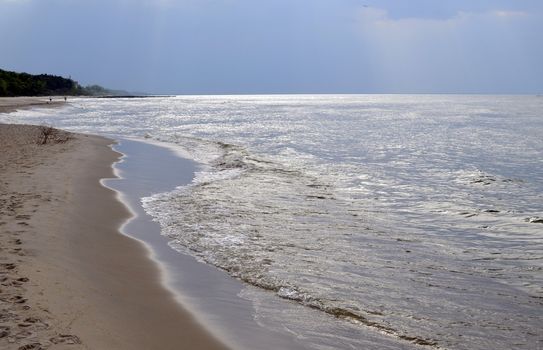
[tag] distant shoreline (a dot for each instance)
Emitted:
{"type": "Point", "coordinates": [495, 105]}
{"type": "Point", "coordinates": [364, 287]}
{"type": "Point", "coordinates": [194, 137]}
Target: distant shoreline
{"type": "Point", "coordinates": [12, 104]}
{"type": "Point", "coordinates": [132, 96]}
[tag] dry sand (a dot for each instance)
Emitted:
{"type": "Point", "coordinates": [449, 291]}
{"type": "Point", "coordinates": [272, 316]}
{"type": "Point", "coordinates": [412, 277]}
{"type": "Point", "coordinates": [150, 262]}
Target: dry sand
{"type": "Point", "coordinates": [68, 278]}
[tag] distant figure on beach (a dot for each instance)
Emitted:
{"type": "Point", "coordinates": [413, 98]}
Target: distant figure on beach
{"type": "Point", "coordinates": [64, 98]}
{"type": "Point", "coordinates": [50, 99]}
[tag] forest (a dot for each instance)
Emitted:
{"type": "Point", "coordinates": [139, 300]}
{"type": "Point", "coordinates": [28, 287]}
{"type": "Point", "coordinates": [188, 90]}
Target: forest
{"type": "Point", "coordinates": [24, 84]}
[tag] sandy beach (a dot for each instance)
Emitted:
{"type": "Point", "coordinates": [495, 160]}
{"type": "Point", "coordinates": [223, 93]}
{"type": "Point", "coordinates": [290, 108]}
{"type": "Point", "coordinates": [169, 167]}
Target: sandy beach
{"type": "Point", "coordinates": [10, 104]}
{"type": "Point", "coordinates": [69, 279]}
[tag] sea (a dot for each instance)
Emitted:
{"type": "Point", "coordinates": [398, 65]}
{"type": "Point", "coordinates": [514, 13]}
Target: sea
{"type": "Point", "coordinates": [418, 218]}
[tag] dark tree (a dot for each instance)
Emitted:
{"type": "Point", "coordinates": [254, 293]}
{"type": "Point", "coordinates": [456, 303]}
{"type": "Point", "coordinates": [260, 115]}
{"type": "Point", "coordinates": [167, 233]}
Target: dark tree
{"type": "Point", "coordinates": [24, 84]}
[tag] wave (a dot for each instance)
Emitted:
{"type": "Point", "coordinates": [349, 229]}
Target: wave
{"type": "Point", "coordinates": [263, 223]}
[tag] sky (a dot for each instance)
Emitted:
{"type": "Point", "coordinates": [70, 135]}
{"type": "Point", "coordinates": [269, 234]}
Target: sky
{"type": "Point", "coordinates": [280, 46]}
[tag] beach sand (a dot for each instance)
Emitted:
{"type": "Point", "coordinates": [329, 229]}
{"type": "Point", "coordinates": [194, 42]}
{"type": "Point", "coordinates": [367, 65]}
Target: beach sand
{"type": "Point", "coordinates": [11, 104]}
{"type": "Point", "coordinates": [68, 278]}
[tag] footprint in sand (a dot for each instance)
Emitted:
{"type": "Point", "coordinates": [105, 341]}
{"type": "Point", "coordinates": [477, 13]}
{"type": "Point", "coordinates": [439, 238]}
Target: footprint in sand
{"type": "Point", "coordinates": [19, 281]}
{"type": "Point", "coordinates": [65, 339]}
{"type": "Point", "coordinates": [33, 346]}
{"type": "Point", "coordinates": [4, 331]}
{"type": "Point", "coordinates": [7, 283]}
{"type": "Point", "coordinates": [18, 299]}
{"type": "Point", "coordinates": [8, 266]}
{"type": "Point", "coordinates": [17, 251]}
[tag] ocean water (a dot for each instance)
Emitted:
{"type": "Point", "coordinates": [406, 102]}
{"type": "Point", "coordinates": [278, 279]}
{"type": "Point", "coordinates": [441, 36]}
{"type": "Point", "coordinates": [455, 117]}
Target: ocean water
{"type": "Point", "coordinates": [417, 218]}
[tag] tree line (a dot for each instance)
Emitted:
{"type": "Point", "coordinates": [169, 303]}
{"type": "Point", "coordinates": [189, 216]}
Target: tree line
{"type": "Point", "coordinates": [24, 84]}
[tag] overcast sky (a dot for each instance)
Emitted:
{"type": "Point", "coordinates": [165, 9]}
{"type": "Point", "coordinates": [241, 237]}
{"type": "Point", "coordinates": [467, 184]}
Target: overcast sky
{"type": "Point", "coordinates": [280, 46]}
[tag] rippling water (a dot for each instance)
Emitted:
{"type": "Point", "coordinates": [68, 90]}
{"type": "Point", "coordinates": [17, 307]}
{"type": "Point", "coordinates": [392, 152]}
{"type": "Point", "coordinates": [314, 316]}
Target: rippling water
{"type": "Point", "coordinates": [420, 217]}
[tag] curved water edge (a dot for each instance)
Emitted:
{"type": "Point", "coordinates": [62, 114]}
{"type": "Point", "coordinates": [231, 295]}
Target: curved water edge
{"type": "Point", "coordinates": [210, 296]}
{"type": "Point", "coordinates": [419, 215]}
{"type": "Point", "coordinates": [136, 180]}
{"type": "Point", "coordinates": [138, 226]}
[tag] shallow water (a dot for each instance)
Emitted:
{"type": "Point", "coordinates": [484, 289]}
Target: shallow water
{"type": "Point", "coordinates": [209, 294]}
{"type": "Point", "coordinates": [418, 217]}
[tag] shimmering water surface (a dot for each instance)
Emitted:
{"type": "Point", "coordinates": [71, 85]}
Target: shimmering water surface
{"type": "Point", "coordinates": [419, 217]}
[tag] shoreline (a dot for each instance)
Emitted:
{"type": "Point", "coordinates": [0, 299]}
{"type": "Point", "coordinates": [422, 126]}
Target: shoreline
{"type": "Point", "coordinates": [69, 277]}
{"type": "Point", "coordinates": [12, 104]}
{"type": "Point", "coordinates": [213, 296]}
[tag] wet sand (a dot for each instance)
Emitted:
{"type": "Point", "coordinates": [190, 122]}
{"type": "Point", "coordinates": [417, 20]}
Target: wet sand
{"type": "Point", "coordinates": [206, 291]}
{"type": "Point", "coordinates": [69, 279]}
